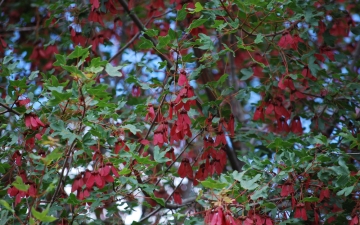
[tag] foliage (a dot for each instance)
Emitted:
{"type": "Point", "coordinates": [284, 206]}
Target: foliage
{"type": "Point", "coordinates": [180, 112]}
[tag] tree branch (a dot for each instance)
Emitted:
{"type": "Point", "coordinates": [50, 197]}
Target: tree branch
{"type": "Point", "coordinates": [173, 206]}
{"type": "Point", "coordinates": [9, 109]}
{"type": "Point", "coordinates": [141, 27]}
{"type": "Point", "coordinates": [125, 47]}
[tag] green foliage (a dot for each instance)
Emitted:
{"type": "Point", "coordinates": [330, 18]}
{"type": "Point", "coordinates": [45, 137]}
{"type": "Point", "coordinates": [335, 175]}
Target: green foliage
{"type": "Point", "coordinates": [185, 112]}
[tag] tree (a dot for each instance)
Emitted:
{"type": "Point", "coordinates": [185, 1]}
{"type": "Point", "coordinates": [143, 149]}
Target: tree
{"type": "Point", "coordinates": [180, 112]}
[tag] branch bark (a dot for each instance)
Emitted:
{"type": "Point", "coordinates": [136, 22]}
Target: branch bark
{"type": "Point", "coordinates": [9, 109]}
{"type": "Point", "coordinates": [141, 27]}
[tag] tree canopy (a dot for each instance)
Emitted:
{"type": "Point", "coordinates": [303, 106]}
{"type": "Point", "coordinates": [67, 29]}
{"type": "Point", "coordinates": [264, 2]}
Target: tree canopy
{"type": "Point", "coordinates": [221, 112]}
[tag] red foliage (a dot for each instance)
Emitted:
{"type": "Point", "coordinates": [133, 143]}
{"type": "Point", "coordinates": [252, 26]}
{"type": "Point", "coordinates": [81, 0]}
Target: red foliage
{"type": "Point", "coordinates": [300, 211]}
{"type": "Point", "coordinates": [96, 16]}
{"type": "Point", "coordinates": [286, 82]}
{"type": "Point", "coordinates": [3, 44]}
{"type": "Point", "coordinates": [287, 189]}
{"type": "Point", "coordinates": [120, 144]}
{"type": "Point", "coordinates": [286, 40]}
{"type": "Point", "coordinates": [136, 92]}
{"type": "Point", "coordinates": [33, 122]}
{"type": "Point", "coordinates": [17, 158]}
{"type": "Point", "coordinates": [296, 126]}
{"type": "Point", "coordinates": [182, 78]}
{"type": "Point", "coordinates": [177, 197]}
{"type": "Point", "coordinates": [170, 155]}
{"type": "Point", "coordinates": [185, 169]}
{"type": "Point", "coordinates": [186, 92]}
{"type": "Point", "coordinates": [94, 4]}
{"type": "Point", "coordinates": [151, 113]}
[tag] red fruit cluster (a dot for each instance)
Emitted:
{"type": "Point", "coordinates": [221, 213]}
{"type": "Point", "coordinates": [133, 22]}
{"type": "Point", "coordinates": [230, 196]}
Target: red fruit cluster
{"type": "Point", "coordinates": [215, 161]}
{"type": "Point", "coordinates": [257, 218]}
{"type": "Point", "coordinates": [185, 169]}
{"type": "Point", "coordinates": [85, 181]}
{"type": "Point", "coordinates": [18, 194]}
{"type": "Point", "coordinates": [33, 122]}
{"type": "Point", "coordinates": [289, 42]}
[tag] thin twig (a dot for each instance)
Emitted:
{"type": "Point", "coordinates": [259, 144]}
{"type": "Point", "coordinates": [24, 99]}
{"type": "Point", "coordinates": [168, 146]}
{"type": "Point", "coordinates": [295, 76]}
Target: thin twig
{"type": "Point", "coordinates": [10, 109]}
{"type": "Point", "coordinates": [172, 206]}
{"type": "Point", "coordinates": [187, 145]}
{"type": "Point", "coordinates": [68, 153]}
{"type": "Point", "coordinates": [141, 27]}
{"type": "Point", "coordinates": [125, 47]}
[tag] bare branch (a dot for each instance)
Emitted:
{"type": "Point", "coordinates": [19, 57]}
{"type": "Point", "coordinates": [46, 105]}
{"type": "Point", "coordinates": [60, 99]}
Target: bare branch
{"type": "Point", "coordinates": [9, 109]}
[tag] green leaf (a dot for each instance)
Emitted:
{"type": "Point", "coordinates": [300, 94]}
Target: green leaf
{"type": "Point", "coordinates": [96, 62]}
{"type": "Point", "coordinates": [248, 72]}
{"type": "Point", "coordinates": [124, 171]}
{"type": "Point", "coordinates": [73, 70]}
{"type": "Point", "coordinates": [33, 75]}
{"type": "Point", "coordinates": [160, 201]}
{"type": "Point", "coordinates": [21, 83]}
{"type": "Point", "coordinates": [313, 66]}
{"type": "Point", "coordinates": [213, 184]}
{"type": "Point", "coordinates": [72, 200]}
{"type": "Point", "coordinates": [7, 59]}
{"type": "Point", "coordinates": [228, 49]}
{"type": "Point", "coordinates": [260, 193]}
{"type": "Point", "coordinates": [54, 155]}
{"type": "Point", "coordinates": [195, 73]}
{"type": "Point", "coordinates": [58, 98]}
{"type": "Point", "coordinates": [42, 215]}
{"type": "Point", "coordinates": [144, 160]}
{"type": "Point", "coordinates": [113, 71]}
{"type": "Point", "coordinates": [181, 15]}
{"type": "Point", "coordinates": [4, 167]}
{"type": "Point", "coordinates": [132, 128]}
{"type": "Point", "coordinates": [206, 42]}
{"type": "Point", "coordinates": [198, 7]}
{"type": "Point", "coordinates": [346, 191]}
{"type": "Point", "coordinates": [19, 184]}
{"type": "Point", "coordinates": [163, 41]}
{"type": "Point", "coordinates": [258, 39]}
{"type": "Point", "coordinates": [78, 52]}
{"type": "Point", "coordinates": [145, 43]}
{"type": "Point", "coordinates": [269, 205]}
{"type": "Point", "coordinates": [151, 32]}
{"type": "Point", "coordinates": [6, 205]}
{"type": "Point", "coordinates": [60, 60]}
{"type": "Point", "coordinates": [159, 156]}
{"type": "Point", "coordinates": [248, 184]}
{"type": "Point", "coordinates": [196, 23]}
{"type": "Point", "coordinates": [310, 199]}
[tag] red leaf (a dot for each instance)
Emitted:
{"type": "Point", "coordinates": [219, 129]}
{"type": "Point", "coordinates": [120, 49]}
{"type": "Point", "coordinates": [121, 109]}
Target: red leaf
{"type": "Point", "coordinates": [170, 155]}
{"type": "Point", "coordinates": [90, 182]}
{"type": "Point", "coordinates": [177, 197]}
{"type": "Point", "coordinates": [28, 120]}
{"type": "Point", "coordinates": [151, 113]}
{"type": "Point", "coordinates": [185, 169]}
{"type": "Point", "coordinates": [182, 78]}
{"type": "Point", "coordinates": [145, 142]}
{"type": "Point", "coordinates": [98, 180]}
{"type": "Point", "coordinates": [95, 4]}
{"type": "Point", "coordinates": [220, 138]}
{"type": "Point", "coordinates": [108, 179]}
{"type": "Point", "coordinates": [259, 114]}
{"type": "Point", "coordinates": [12, 191]}
{"type": "Point", "coordinates": [34, 124]}
{"type": "Point", "coordinates": [231, 125]}
{"type": "Point", "coordinates": [286, 40]}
